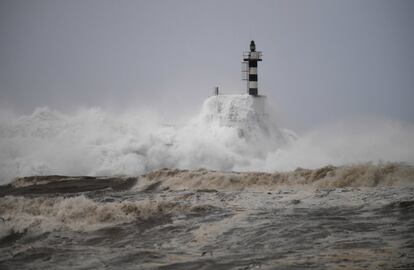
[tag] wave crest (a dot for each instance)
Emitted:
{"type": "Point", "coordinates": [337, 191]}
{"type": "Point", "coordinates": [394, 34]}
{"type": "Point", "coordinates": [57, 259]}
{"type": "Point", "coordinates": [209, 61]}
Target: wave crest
{"type": "Point", "coordinates": [359, 175]}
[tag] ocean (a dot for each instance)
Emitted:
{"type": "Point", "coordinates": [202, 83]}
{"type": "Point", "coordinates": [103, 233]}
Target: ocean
{"type": "Point", "coordinates": [348, 217]}
{"type": "Point", "coordinates": [228, 189]}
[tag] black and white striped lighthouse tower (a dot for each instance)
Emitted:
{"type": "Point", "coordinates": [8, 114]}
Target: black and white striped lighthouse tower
{"type": "Point", "coordinates": [250, 62]}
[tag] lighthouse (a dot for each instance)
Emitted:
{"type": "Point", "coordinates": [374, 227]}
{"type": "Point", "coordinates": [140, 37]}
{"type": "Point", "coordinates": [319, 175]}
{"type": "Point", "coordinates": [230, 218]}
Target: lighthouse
{"type": "Point", "coordinates": [250, 60]}
{"type": "Point", "coordinates": [245, 112]}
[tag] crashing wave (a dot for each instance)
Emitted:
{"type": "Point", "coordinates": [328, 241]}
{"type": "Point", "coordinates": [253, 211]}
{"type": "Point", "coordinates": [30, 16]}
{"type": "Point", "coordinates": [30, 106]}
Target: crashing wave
{"type": "Point", "coordinates": [232, 132]}
{"type": "Point", "coordinates": [45, 214]}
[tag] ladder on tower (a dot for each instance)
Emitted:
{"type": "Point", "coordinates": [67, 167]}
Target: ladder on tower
{"type": "Point", "coordinates": [245, 71]}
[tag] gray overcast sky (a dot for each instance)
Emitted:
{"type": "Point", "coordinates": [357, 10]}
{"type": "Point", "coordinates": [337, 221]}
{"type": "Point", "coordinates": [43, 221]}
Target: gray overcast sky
{"type": "Point", "coordinates": [323, 60]}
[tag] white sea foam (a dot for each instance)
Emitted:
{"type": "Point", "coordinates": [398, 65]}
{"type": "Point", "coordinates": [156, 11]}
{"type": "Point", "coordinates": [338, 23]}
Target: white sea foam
{"type": "Point", "coordinates": [79, 213]}
{"type": "Point", "coordinates": [230, 133]}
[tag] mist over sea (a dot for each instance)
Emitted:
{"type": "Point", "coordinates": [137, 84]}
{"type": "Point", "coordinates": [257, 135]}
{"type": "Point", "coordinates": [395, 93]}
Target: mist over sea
{"type": "Point", "coordinates": [95, 142]}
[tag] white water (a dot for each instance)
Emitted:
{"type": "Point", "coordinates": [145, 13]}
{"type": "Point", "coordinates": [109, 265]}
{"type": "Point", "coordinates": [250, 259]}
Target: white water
{"type": "Point", "coordinates": [230, 133]}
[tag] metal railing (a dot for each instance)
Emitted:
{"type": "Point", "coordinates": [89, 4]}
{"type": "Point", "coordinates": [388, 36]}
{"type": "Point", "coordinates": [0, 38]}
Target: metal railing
{"type": "Point", "coordinates": [252, 55]}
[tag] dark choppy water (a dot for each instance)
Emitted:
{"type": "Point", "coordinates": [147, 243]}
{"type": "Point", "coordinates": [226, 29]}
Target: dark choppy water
{"type": "Point", "coordinates": [119, 224]}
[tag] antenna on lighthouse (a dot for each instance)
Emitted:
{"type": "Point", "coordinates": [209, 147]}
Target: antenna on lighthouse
{"type": "Point", "coordinates": [249, 69]}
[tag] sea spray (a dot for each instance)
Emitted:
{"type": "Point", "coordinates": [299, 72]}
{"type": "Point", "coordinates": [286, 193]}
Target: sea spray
{"type": "Point", "coordinates": [231, 132]}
